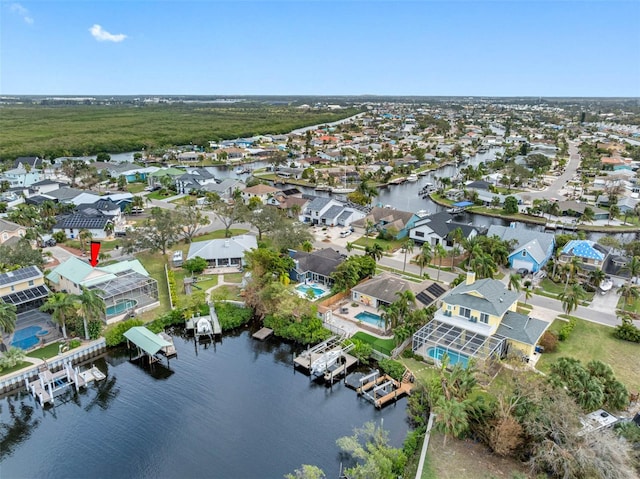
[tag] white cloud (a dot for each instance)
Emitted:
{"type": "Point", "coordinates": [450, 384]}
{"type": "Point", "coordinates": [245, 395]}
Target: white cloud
{"type": "Point", "coordinates": [104, 36]}
{"type": "Point", "coordinates": [23, 12]}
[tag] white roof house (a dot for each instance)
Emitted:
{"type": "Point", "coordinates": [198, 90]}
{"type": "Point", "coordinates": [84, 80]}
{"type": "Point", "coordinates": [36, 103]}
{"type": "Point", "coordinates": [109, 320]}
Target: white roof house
{"type": "Point", "coordinates": [223, 252]}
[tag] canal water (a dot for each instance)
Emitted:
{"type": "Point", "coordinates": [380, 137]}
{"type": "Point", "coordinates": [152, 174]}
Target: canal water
{"type": "Point", "coordinates": [236, 410]}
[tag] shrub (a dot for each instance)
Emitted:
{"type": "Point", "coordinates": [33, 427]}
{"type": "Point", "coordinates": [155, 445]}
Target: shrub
{"type": "Point", "coordinates": [95, 328]}
{"type": "Point", "coordinates": [412, 442]}
{"type": "Point", "coordinates": [392, 368]}
{"type": "Point", "coordinates": [59, 236]}
{"type": "Point", "coordinates": [566, 329]}
{"type": "Point", "coordinates": [10, 358]}
{"type": "Point", "coordinates": [627, 332]}
{"type": "Point", "coordinates": [362, 350]}
{"type": "Point", "coordinates": [408, 353]}
{"type": "Point", "coordinates": [173, 291]}
{"type": "Point", "coordinates": [549, 341]}
{"type": "Point", "coordinates": [305, 330]}
{"type": "Point", "coordinates": [74, 343]}
{"type": "Point", "coordinates": [231, 316]}
{"type": "Point", "coordinates": [115, 335]}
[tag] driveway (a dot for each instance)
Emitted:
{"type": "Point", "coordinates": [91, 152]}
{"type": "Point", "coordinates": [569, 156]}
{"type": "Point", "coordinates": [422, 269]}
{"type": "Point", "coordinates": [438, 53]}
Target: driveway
{"type": "Point", "coordinates": [554, 190]}
{"type": "Point", "coordinates": [59, 253]}
{"type": "Point", "coordinates": [605, 303]}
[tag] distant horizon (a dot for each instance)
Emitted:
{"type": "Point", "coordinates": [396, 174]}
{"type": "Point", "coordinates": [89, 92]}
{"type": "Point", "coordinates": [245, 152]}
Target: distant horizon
{"type": "Point", "coordinates": [473, 48]}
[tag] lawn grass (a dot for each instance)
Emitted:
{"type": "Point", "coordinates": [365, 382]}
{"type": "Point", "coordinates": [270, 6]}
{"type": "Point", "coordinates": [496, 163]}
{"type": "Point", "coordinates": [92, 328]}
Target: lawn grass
{"type": "Point", "coordinates": [590, 341]}
{"type": "Point", "coordinates": [385, 346]}
{"type": "Point", "coordinates": [161, 194]}
{"type": "Point", "coordinates": [226, 292]}
{"type": "Point", "coordinates": [233, 277]}
{"type": "Point", "coordinates": [422, 371]}
{"type": "Point", "coordinates": [633, 307]}
{"type": "Point", "coordinates": [136, 187]}
{"type": "Point", "coordinates": [105, 245]}
{"type": "Point", "coordinates": [388, 246]}
{"type": "Point", "coordinates": [49, 351]}
{"type": "Point", "coordinates": [219, 234]}
{"type": "Point", "coordinates": [154, 264]}
{"type": "Point", "coordinates": [20, 365]}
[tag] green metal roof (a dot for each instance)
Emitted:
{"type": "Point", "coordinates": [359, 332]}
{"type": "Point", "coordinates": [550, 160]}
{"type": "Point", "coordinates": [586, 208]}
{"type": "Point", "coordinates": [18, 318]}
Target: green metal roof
{"type": "Point", "coordinates": [167, 171]}
{"type": "Point", "coordinates": [77, 270]}
{"type": "Point", "coordinates": [147, 341]}
{"type": "Point", "coordinates": [74, 269]}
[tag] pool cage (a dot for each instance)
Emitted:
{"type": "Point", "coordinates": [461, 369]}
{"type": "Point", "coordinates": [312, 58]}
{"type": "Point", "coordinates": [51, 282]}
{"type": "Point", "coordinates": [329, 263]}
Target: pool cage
{"type": "Point", "coordinates": [468, 343]}
{"type": "Point", "coordinates": [126, 293]}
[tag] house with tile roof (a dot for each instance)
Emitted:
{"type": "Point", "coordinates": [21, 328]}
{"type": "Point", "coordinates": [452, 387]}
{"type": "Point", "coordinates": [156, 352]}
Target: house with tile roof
{"type": "Point", "coordinates": [388, 220]}
{"type": "Point", "coordinates": [125, 287]}
{"type": "Point", "coordinates": [531, 249]}
{"type": "Point", "coordinates": [11, 233]}
{"type": "Point", "coordinates": [478, 320]}
{"type": "Point", "coordinates": [223, 253]}
{"type": "Point", "coordinates": [316, 266]}
{"type": "Point", "coordinates": [437, 228]}
{"type": "Point", "coordinates": [260, 191]}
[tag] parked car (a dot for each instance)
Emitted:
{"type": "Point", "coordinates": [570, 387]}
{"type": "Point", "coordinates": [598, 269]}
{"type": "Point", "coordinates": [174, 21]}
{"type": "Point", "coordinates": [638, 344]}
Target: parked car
{"type": "Point", "coordinates": [345, 233]}
{"type": "Point", "coordinates": [522, 272]}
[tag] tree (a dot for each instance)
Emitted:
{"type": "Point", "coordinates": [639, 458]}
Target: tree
{"type": "Point", "coordinates": [572, 298]}
{"type": "Point", "coordinates": [265, 219]}
{"type": "Point", "coordinates": [632, 267]}
{"type": "Point", "coordinates": [629, 293]}
{"type": "Point", "coordinates": [62, 307]}
{"type": "Point", "coordinates": [571, 269]}
{"type": "Point", "coordinates": [7, 318]}
{"type": "Point", "coordinates": [588, 215]}
{"type": "Point", "coordinates": [122, 182]}
{"type": "Point", "coordinates": [451, 417]}
{"type": "Point", "coordinates": [369, 446]}
{"type": "Point", "coordinates": [191, 220]}
{"type": "Point", "coordinates": [375, 251]}
{"type": "Point", "coordinates": [440, 252]}
{"type": "Point", "coordinates": [614, 210]}
{"type": "Point", "coordinates": [306, 472]}
{"type": "Point", "coordinates": [307, 246]}
{"type": "Point", "coordinates": [195, 265]}
{"type": "Point", "coordinates": [72, 169]}
{"type": "Point", "coordinates": [289, 234]}
{"type": "Point", "coordinates": [408, 248]}
{"type": "Point", "coordinates": [514, 282]}
{"type": "Point", "coordinates": [228, 213]}
{"type": "Point", "coordinates": [510, 205]}
{"type": "Point", "coordinates": [91, 307]}
{"type": "Point", "coordinates": [596, 277]}
{"type": "Point", "coordinates": [484, 266]}
{"type": "Point", "coordinates": [423, 258]}
{"type": "Point", "coordinates": [103, 157]}
{"type": "Point", "coordinates": [161, 229]}
{"type": "Point", "coordinates": [85, 236]}
{"type": "Point", "coordinates": [19, 254]}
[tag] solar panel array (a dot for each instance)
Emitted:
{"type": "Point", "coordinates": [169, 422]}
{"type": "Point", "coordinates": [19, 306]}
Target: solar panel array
{"type": "Point", "coordinates": [26, 296]}
{"type": "Point", "coordinates": [18, 275]}
{"type": "Point", "coordinates": [82, 222]}
{"type": "Point", "coordinates": [430, 294]}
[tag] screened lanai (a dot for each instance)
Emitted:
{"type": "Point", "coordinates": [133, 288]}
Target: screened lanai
{"type": "Point", "coordinates": [437, 337]}
{"type": "Point", "coordinates": [126, 293]}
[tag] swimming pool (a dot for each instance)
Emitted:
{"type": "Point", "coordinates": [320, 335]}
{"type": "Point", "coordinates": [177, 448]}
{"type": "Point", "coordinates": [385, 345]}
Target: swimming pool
{"type": "Point", "coordinates": [454, 357]}
{"type": "Point", "coordinates": [121, 306]}
{"type": "Point", "coordinates": [317, 289]}
{"type": "Point", "coordinates": [26, 338]}
{"type": "Point", "coordinates": [373, 319]}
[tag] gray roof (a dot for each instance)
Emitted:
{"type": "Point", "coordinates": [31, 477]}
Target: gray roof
{"type": "Point", "coordinates": [324, 261]}
{"type": "Point", "coordinates": [522, 328]}
{"type": "Point", "coordinates": [345, 215]}
{"type": "Point", "coordinates": [222, 248]}
{"type": "Point", "coordinates": [82, 221]}
{"type": "Point", "coordinates": [318, 203]}
{"type": "Point", "coordinates": [494, 297]}
{"type": "Point", "coordinates": [9, 226]}
{"type": "Point", "coordinates": [523, 237]}
{"type": "Point", "coordinates": [332, 212]}
{"type": "Point", "coordinates": [438, 223]}
{"type": "Point", "coordinates": [383, 287]}
{"type": "Point", "coordinates": [20, 275]}
{"type": "Point", "coordinates": [62, 194]}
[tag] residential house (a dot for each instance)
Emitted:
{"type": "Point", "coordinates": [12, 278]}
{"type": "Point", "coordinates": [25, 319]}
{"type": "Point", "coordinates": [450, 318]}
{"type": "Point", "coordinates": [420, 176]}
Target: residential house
{"type": "Point", "coordinates": [531, 249]}
{"type": "Point", "coordinates": [32, 161]}
{"type": "Point", "coordinates": [223, 253]}
{"type": "Point", "coordinates": [24, 288]}
{"type": "Point", "coordinates": [591, 254]}
{"type": "Point", "coordinates": [316, 266]}
{"type": "Point", "coordinates": [381, 290]}
{"type": "Point", "coordinates": [330, 212]}
{"type": "Point", "coordinates": [155, 179]}
{"type": "Point", "coordinates": [43, 187]}
{"type": "Point", "coordinates": [11, 233]}
{"type": "Point", "coordinates": [91, 220]}
{"type": "Point", "coordinates": [437, 228]}
{"type": "Point", "coordinates": [194, 180]}
{"type": "Point", "coordinates": [576, 209]}
{"type": "Point", "coordinates": [225, 189]}
{"type": "Point", "coordinates": [21, 176]}
{"type": "Point", "coordinates": [260, 191]}
{"type": "Point", "coordinates": [125, 287]}
{"type": "Point", "coordinates": [478, 320]}
{"type": "Point", "coordinates": [388, 221]}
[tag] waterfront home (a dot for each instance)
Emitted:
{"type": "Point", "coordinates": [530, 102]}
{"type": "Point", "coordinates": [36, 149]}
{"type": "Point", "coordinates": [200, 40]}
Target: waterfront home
{"type": "Point", "coordinates": [260, 191]}
{"type": "Point", "coordinates": [72, 224]}
{"type": "Point", "coordinates": [576, 210]}
{"type": "Point", "coordinates": [223, 253]}
{"type": "Point", "coordinates": [125, 287]}
{"type": "Point", "coordinates": [20, 176]}
{"type": "Point", "coordinates": [591, 254]}
{"type": "Point", "coordinates": [194, 180]}
{"type": "Point", "coordinates": [155, 179]}
{"type": "Point", "coordinates": [330, 212]}
{"type": "Point", "coordinates": [30, 161]}
{"type": "Point", "coordinates": [478, 320]}
{"type": "Point", "coordinates": [11, 233]}
{"type": "Point", "coordinates": [316, 266]}
{"type": "Point", "coordinates": [225, 189]}
{"type": "Point", "coordinates": [43, 187]}
{"type": "Point", "coordinates": [388, 221]}
{"type": "Point", "coordinates": [437, 228]}
{"type": "Point", "coordinates": [381, 290]}
{"type": "Point", "coordinates": [24, 288]}
{"type": "Point", "coordinates": [531, 249]}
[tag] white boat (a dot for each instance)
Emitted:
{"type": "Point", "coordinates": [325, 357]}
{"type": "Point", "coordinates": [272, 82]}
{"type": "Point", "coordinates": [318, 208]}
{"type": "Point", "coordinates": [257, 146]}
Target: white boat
{"type": "Point", "coordinates": [203, 326]}
{"type": "Point", "coordinates": [325, 361]}
{"type": "Point", "coordinates": [412, 178]}
{"type": "Point", "coordinates": [341, 190]}
{"type": "Point", "coordinates": [422, 213]}
{"type": "Point", "coordinates": [606, 285]}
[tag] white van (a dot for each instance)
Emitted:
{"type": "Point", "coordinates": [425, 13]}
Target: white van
{"type": "Point", "coordinates": [345, 233]}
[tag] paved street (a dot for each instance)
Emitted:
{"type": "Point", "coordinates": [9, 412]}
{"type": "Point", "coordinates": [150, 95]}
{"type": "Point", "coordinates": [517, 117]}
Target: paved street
{"type": "Point", "coordinates": [554, 190]}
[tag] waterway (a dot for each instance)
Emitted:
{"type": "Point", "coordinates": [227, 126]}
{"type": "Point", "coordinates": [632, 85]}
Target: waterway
{"type": "Point", "coordinates": [234, 410]}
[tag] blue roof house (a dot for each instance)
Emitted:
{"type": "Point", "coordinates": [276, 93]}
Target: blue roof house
{"type": "Point", "coordinates": [590, 253]}
{"type": "Point", "coordinates": [532, 249]}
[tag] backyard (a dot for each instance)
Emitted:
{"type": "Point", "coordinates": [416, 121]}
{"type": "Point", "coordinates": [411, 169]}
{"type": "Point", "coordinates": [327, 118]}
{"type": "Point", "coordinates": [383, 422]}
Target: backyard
{"type": "Point", "coordinates": [590, 341]}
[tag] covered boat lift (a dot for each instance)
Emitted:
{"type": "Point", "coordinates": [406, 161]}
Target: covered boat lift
{"type": "Point", "coordinates": [149, 344]}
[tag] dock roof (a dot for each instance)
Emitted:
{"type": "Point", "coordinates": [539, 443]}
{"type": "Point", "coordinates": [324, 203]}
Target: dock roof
{"type": "Point", "coordinates": [147, 341]}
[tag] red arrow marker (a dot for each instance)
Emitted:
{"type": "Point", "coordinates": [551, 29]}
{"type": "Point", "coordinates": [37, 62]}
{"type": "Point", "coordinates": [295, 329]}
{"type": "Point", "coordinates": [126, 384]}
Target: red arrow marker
{"type": "Point", "coordinates": [95, 251]}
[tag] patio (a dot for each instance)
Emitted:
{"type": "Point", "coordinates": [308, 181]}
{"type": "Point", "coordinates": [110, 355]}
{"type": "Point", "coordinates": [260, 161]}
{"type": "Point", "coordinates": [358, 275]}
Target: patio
{"type": "Point", "coordinates": [347, 312]}
{"type": "Point", "coordinates": [38, 319]}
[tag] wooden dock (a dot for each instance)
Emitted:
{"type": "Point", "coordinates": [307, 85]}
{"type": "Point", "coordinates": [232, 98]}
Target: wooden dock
{"type": "Point", "coordinates": [263, 334]}
{"type": "Point", "coordinates": [328, 359]}
{"type": "Point", "coordinates": [168, 351]}
{"type": "Point", "coordinates": [400, 390]}
{"type": "Point", "coordinates": [381, 389]}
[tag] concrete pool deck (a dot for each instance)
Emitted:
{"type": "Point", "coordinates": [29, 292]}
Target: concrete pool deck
{"type": "Point", "coordinates": [347, 321]}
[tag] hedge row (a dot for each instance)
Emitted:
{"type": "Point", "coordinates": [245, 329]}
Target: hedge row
{"type": "Point", "coordinates": [173, 290]}
{"type": "Point", "coordinates": [566, 329]}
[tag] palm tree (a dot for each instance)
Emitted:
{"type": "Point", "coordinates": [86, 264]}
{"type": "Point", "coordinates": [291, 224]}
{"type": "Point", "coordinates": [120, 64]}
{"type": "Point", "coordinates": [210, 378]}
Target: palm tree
{"type": "Point", "coordinates": [596, 277]}
{"type": "Point", "coordinates": [375, 251]}
{"type": "Point", "coordinates": [451, 417]}
{"type": "Point", "coordinates": [514, 282]}
{"type": "Point", "coordinates": [62, 307]}
{"type": "Point", "coordinates": [7, 318]}
{"type": "Point", "coordinates": [571, 299]}
{"type": "Point", "coordinates": [349, 247]}
{"type": "Point", "coordinates": [390, 316]}
{"type": "Point", "coordinates": [554, 209]}
{"type": "Point", "coordinates": [367, 190]}
{"type": "Point", "coordinates": [108, 228]}
{"type": "Point", "coordinates": [408, 248]}
{"type": "Point", "coordinates": [484, 266]}
{"type": "Point", "coordinates": [632, 267]}
{"type": "Point", "coordinates": [137, 202]}
{"type": "Point", "coordinates": [423, 258]}
{"type": "Point", "coordinates": [440, 252]}
{"type": "Point", "coordinates": [571, 269]}
{"type": "Point", "coordinates": [84, 236]}
{"type": "Point", "coordinates": [588, 215]}
{"type": "Point", "coordinates": [630, 293]}
{"type": "Point", "coordinates": [527, 291]}
{"type": "Point", "coordinates": [614, 210]}
{"type": "Point", "coordinates": [405, 300]}
{"type": "Point", "coordinates": [91, 306]}
{"type": "Point", "coordinates": [307, 246]}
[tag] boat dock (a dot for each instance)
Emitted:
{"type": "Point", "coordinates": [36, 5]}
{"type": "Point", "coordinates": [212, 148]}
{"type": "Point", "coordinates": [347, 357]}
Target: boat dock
{"type": "Point", "coordinates": [205, 326]}
{"type": "Point", "coordinates": [44, 388]}
{"type": "Point", "coordinates": [169, 351]}
{"type": "Point", "coordinates": [262, 334]}
{"type": "Point", "coordinates": [328, 359]}
{"type": "Point", "coordinates": [380, 389]}
{"type": "Point", "coordinates": [149, 344]}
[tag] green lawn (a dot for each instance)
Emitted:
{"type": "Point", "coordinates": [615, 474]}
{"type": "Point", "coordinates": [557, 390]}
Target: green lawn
{"type": "Point", "coordinates": [233, 278]}
{"type": "Point", "coordinates": [49, 351]}
{"type": "Point", "coordinates": [385, 346]}
{"type": "Point", "coordinates": [594, 341]}
{"type": "Point", "coordinates": [387, 246]}
{"type": "Point", "coordinates": [633, 307]}
{"type": "Point", "coordinates": [17, 367]}
{"type": "Point", "coordinates": [423, 372]}
{"type": "Point", "coordinates": [552, 290]}
{"type": "Point", "coordinates": [136, 187]}
{"type": "Point", "coordinates": [157, 195]}
{"type": "Point", "coordinates": [226, 292]}
{"type": "Point", "coordinates": [154, 264]}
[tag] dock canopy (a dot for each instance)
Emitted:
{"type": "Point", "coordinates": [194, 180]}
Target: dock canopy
{"type": "Point", "coordinates": [463, 204]}
{"type": "Point", "coordinates": [147, 341]}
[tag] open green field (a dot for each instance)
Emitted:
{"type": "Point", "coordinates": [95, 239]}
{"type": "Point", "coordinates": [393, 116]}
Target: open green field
{"type": "Point", "coordinates": [54, 131]}
{"type": "Point", "coordinates": [593, 341]}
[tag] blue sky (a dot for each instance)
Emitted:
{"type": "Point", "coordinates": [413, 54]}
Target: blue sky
{"type": "Point", "coordinates": [549, 48]}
